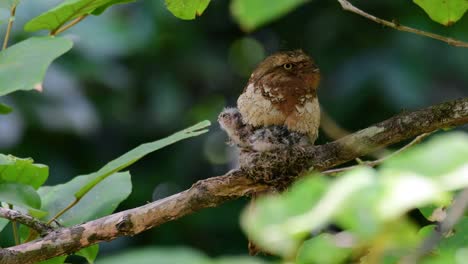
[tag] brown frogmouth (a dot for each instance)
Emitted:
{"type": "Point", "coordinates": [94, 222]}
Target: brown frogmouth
{"type": "Point", "coordinates": [281, 93]}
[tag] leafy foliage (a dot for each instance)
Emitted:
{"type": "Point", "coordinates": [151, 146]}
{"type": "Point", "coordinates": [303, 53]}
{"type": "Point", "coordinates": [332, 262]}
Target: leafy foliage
{"type": "Point", "coordinates": [369, 205]}
{"type": "Point", "coordinates": [137, 153]}
{"type": "Point", "coordinates": [67, 11]}
{"type": "Point", "coordinates": [24, 171]}
{"type": "Point", "coordinates": [55, 198]}
{"type": "Point", "coordinates": [366, 203]}
{"type": "Point", "coordinates": [24, 65]}
{"type": "Point", "coordinates": [252, 14]}
{"type": "Point", "coordinates": [187, 9]}
{"type": "Point", "coordinates": [442, 11]}
{"type": "Point", "coordinates": [23, 196]}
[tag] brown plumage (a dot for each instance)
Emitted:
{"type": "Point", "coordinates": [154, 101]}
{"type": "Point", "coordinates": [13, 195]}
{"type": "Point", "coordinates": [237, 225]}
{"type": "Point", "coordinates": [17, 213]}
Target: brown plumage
{"type": "Point", "coordinates": [282, 91]}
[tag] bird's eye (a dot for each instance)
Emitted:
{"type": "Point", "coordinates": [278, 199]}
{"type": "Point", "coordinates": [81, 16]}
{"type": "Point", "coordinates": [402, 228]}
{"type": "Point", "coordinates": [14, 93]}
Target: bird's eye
{"type": "Point", "coordinates": [287, 66]}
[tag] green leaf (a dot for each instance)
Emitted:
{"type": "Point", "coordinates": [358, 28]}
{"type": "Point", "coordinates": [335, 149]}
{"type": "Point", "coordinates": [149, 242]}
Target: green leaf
{"type": "Point", "coordinates": [139, 152]}
{"type": "Point", "coordinates": [418, 191]}
{"type": "Point", "coordinates": [439, 156]}
{"type": "Point", "coordinates": [3, 222]}
{"type": "Point", "coordinates": [432, 212]}
{"type": "Point", "coordinates": [100, 201]}
{"type": "Point", "coordinates": [265, 222]}
{"type": "Point", "coordinates": [23, 196]}
{"type": "Point", "coordinates": [152, 255]}
{"type": "Point", "coordinates": [56, 260]}
{"type": "Point", "coordinates": [425, 231]}
{"type": "Point", "coordinates": [103, 8]}
{"type": "Point", "coordinates": [65, 12]}
{"type": "Point", "coordinates": [187, 9]}
{"type": "Point", "coordinates": [238, 260]}
{"type": "Point", "coordinates": [24, 171]}
{"type": "Point", "coordinates": [458, 239]}
{"type": "Point", "coordinates": [322, 249]}
{"type": "Point", "coordinates": [89, 253]}
{"type": "Point", "coordinates": [23, 65]}
{"type": "Point", "coordinates": [5, 109]}
{"type": "Point", "coordinates": [445, 12]}
{"type": "Point", "coordinates": [252, 14]}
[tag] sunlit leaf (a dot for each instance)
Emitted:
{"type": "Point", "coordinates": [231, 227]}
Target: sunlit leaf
{"type": "Point", "coordinates": [187, 9]}
{"type": "Point", "coordinates": [437, 157]}
{"type": "Point", "coordinates": [67, 11]}
{"type": "Point", "coordinates": [24, 171]}
{"type": "Point", "coordinates": [418, 191]}
{"type": "Point", "coordinates": [252, 14]}
{"type": "Point", "coordinates": [445, 12]}
{"type": "Point", "coordinates": [139, 152]}
{"type": "Point", "coordinates": [23, 65]}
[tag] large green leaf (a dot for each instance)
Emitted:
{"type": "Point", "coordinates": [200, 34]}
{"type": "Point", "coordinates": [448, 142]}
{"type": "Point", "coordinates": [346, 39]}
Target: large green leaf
{"type": "Point", "coordinates": [5, 109]}
{"type": "Point", "coordinates": [100, 201]}
{"type": "Point", "coordinates": [24, 171]}
{"type": "Point", "coordinates": [23, 196]}
{"type": "Point", "coordinates": [89, 253]}
{"type": "Point", "coordinates": [445, 12]}
{"type": "Point", "coordinates": [252, 14]}
{"type": "Point", "coordinates": [187, 9]}
{"type": "Point", "coordinates": [265, 222]}
{"type": "Point", "coordinates": [441, 155]}
{"type": "Point", "coordinates": [66, 11]}
{"type": "Point", "coordinates": [139, 152]}
{"type": "Point", "coordinates": [23, 65]}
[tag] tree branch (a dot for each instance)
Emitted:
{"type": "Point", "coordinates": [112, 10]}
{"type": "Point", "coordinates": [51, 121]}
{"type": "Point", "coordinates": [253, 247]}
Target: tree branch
{"type": "Point", "coordinates": [27, 220]}
{"type": "Point", "coordinates": [346, 5]}
{"type": "Point", "coordinates": [257, 173]}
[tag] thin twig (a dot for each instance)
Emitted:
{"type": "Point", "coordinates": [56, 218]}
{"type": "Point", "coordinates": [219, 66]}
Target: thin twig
{"type": "Point", "coordinates": [64, 210]}
{"type": "Point", "coordinates": [26, 220]}
{"type": "Point", "coordinates": [454, 214]}
{"type": "Point", "coordinates": [349, 7]}
{"type": "Point", "coordinates": [15, 228]}
{"type": "Point", "coordinates": [67, 26]}
{"type": "Point", "coordinates": [32, 235]}
{"type": "Point", "coordinates": [374, 163]}
{"type": "Point", "coordinates": [9, 26]}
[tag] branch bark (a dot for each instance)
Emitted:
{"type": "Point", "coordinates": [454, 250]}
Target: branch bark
{"type": "Point", "coordinates": [256, 174]}
{"type": "Point", "coordinates": [13, 215]}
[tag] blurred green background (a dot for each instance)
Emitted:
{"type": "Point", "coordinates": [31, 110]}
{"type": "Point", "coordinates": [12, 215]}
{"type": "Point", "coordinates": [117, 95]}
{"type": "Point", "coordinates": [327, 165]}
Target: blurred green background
{"type": "Point", "coordinates": [137, 73]}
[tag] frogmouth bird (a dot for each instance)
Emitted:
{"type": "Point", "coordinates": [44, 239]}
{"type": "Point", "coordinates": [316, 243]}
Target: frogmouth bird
{"type": "Point", "coordinates": [282, 91]}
